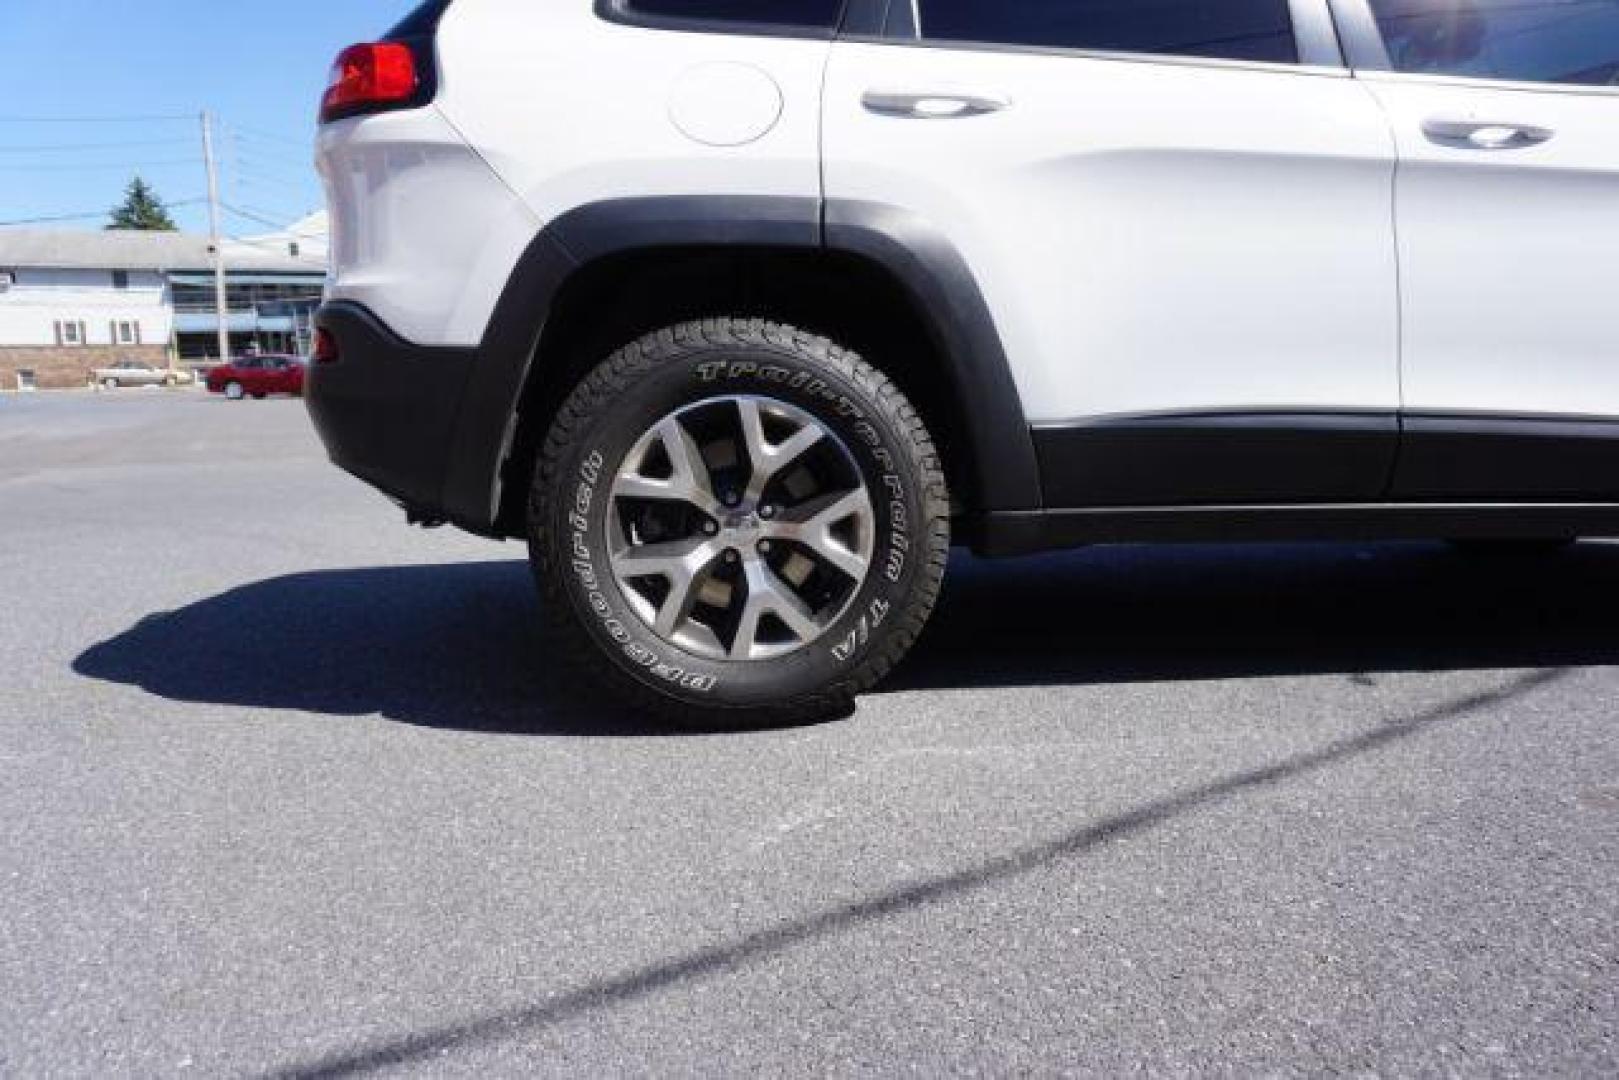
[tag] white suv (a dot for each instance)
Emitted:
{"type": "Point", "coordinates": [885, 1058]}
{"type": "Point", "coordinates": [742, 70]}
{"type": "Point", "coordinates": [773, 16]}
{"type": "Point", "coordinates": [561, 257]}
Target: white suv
{"type": "Point", "coordinates": [741, 311]}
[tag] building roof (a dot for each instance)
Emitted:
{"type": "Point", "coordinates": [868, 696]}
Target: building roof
{"type": "Point", "coordinates": [61, 249]}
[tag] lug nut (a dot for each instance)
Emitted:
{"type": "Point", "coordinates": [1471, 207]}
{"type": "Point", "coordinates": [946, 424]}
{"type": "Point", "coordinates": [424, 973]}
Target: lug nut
{"type": "Point", "coordinates": [731, 498]}
{"type": "Point", "coordinates": [767, 512]}
{"type": "Point", "coordinates": [764, 547]}
{"type": "Point", "coordinates": [731, 555]}
{"type": "Point", "coordinates": [711, 528]}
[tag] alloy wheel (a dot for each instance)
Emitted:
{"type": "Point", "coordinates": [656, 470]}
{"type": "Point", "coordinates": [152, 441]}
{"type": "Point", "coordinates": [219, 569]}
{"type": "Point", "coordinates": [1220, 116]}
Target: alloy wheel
{"type": "Point", "coordinates": [740, 529]}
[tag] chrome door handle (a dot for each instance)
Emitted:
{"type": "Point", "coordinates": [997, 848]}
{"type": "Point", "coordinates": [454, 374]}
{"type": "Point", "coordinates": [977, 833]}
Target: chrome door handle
{"type": "Point", "coordinates": [923, 106]}
{"type": "Point", "coordinates": [1485, 134]}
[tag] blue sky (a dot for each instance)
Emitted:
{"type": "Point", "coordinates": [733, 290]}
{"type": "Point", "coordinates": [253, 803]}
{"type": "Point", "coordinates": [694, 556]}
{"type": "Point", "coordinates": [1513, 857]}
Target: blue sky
{"type": "Point", "coordinates": [259, 66]}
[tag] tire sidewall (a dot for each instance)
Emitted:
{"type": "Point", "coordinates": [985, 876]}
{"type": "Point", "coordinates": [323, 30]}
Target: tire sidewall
{"type": "Point", "coordinates": [883, 453]}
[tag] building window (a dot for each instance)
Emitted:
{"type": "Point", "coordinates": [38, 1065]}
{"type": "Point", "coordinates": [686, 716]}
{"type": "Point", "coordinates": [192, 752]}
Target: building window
{"type": "Point", "coordinates": [7, 280]}
{"type": "Point", "coordinates": [126, 332]}
{"type": "Point", "coordinates": [70, 333]}
{"type": "Point", "coordinates": [120, 279]}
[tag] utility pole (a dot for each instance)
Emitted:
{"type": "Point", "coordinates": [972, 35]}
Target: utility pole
{"type": "Point", "coordinates": [221, 309]}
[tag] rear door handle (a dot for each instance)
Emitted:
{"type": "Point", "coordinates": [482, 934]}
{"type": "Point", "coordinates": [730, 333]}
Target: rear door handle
{"type": "Point", "coordinates": [1485, 134]}
{"type": "Point", "coordinates": [918, 105]}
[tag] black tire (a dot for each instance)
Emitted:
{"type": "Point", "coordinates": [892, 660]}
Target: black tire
{"type": "Point", "coordinates": [681, 366]}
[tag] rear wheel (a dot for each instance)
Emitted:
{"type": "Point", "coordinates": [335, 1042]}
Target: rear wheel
{"type": "Point", "coordinates": [740, 524]}
{"type": "Point", "coordinates": [109, 384]}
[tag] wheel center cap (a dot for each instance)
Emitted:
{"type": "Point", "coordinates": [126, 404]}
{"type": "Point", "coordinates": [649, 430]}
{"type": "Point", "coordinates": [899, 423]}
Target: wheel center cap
{"type": "Point", "coordinates": [742, 526]}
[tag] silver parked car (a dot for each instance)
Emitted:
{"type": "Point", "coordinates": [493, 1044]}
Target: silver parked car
{"type": "Point", "coordinates": [139, 373]}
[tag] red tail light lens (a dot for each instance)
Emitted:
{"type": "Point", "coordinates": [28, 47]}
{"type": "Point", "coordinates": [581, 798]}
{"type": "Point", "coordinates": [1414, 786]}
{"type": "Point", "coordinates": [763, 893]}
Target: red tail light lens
{"type": "Point", "coordinates": [371, 78]}
{"type": "Point", "coordinates": [325, 347]}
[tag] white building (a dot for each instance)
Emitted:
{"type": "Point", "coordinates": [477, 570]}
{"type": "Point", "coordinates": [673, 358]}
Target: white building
{"type": "Point", "coordinates": [72, 301]}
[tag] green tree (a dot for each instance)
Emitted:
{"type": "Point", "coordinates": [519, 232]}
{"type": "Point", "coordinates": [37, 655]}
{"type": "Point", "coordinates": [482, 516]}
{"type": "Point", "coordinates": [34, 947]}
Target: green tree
{"type": "Point", "coordinates": [141, 210]}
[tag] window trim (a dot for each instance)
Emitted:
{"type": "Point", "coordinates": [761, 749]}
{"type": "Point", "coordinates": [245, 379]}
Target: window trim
{"type": "Point", "coordinates": [1369, 60]}
{"type": "Point", "coordinates": [619, 11]}
{"type": "Point", "coordinates": [1315, 42]}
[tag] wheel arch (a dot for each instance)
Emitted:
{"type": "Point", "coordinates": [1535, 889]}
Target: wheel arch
{"type": "Point", "coordinates": [875, 278]}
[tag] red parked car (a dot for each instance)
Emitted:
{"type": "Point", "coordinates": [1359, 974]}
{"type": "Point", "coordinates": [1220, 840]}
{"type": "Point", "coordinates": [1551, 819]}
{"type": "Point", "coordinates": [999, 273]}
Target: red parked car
{"type": "Point", "coordinates": [259, 376]}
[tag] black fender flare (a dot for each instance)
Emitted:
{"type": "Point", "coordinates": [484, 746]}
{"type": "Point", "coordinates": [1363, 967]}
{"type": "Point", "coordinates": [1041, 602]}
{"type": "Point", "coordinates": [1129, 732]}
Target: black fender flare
{"type": "Point", "coordinates": [1005, 467]}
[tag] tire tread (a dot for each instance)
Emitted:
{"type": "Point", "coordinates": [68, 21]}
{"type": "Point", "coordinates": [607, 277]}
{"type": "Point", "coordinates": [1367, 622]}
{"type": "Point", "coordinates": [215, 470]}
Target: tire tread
{"type": "Point", "coordinates": [673, 344]}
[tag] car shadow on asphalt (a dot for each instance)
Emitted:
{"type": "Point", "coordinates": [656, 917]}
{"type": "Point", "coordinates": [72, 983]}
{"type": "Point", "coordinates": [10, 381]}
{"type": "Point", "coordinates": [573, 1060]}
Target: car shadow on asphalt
{"type": "Point", "coordinates": [459, 646]}
{"type": "Point", "coordinates": [1166, 613]}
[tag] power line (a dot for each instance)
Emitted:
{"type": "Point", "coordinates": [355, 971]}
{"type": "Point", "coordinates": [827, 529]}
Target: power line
{"type": "Point", "coordinates": [277, 189]}
{"type": "Point", "coordinates": [92, 215]}
{"type": "Point", "coordinates": [283, 167]}
{"type": "Point", "coordinates": [152, 119]}
{"type": "Point", "coordinates": [53, 219]}
{"type": "Point", "coordinates": [54, 148]}
{"type": "Point", "coordinates": [131, 166]}
{"type": "Point", "coordinates": [274, 213]}
{"type": "Point", "coordinates": [250, 216]}
{"type": "Point", "coordinates": [256, 133]}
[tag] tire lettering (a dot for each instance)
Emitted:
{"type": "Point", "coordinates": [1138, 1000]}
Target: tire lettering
{"type": "Point", "coordinates": [895, 560]}
{"type": "Point", "coordinates": [584, 569]}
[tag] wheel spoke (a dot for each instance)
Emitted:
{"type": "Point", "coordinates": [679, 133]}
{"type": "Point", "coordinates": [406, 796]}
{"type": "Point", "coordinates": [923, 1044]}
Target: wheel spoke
{"type": "Point", "coordinates": [769, 595]}
{"type": "Point", "coordinates": [814, 525]}
{"type": "Point", "coordinates": [688, 480]}
{"type": "Point", "coordinates": [684, 565]}
{"type": "Point", "coordinates": [768, 459]}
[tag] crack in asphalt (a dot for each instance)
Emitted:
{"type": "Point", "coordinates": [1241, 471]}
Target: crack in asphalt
{"type": "Point", "coordinates": [703, 963]}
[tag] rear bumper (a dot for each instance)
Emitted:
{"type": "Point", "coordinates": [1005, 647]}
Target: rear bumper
{"type": "Point", "coordinates": [387, 409]}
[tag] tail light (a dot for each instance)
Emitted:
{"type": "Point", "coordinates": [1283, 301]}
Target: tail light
{"type": "Point", "coordinates": [325, 347]}
{"type": "Point", "coordinates": [373, 78]}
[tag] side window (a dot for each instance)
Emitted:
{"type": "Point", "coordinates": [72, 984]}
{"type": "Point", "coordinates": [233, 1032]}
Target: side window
{"type": "Point", "coordinates": [1256, 30]}
{"type": "Point", "coordinates": [1553, 41]}
{"type": "Point", "coordinates": [794, 14]}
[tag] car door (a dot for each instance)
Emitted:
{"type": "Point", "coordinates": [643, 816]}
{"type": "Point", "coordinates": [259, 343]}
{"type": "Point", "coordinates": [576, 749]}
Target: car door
{"type": "Point", "coordinates": [250, 373]}
{"type": "Point", "coordinates": [1179, 214]}
{"type": "Point", "coordinates": [285, 375]}
{"type": "Point", "coordinates": [1506, 116]}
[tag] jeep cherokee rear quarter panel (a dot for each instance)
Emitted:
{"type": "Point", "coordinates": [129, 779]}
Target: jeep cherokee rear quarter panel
{"type": "Point", "coordinates": [424, 234]}
{"type": "Point", "coordinates": [570, 108]}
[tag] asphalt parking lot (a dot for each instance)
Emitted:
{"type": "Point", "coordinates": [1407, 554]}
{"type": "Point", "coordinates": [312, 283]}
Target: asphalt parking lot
{"type": "Point", "coordinates": [291, 790]}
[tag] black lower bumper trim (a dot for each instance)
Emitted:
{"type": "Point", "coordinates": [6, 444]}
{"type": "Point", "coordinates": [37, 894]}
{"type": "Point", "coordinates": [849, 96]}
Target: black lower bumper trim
{"type": "Point", "coordinates": [386, 409]}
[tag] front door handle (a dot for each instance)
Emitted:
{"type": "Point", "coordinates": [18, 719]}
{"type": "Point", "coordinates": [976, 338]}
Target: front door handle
{"type": "Point", "coordinates": [916, 105]}
{"type": "Point", "coordinates": [1485, 134]}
